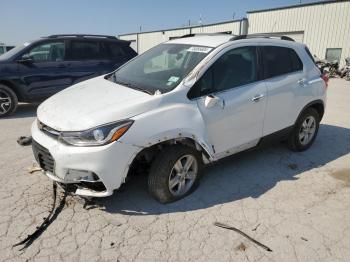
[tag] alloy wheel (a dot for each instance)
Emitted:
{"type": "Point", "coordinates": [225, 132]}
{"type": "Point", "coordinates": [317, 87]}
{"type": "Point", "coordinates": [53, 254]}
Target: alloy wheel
{"type": "Point", "coordinates": [5, 102]}
{"type": "Point", "coordinates": [307, 130]}
{"type": "Point", "coordinates": [183, 175]}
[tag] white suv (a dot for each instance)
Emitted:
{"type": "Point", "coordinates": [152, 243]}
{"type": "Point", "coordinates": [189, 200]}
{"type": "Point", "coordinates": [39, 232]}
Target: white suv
{"type": "Point", "coordinates": [180, 105]}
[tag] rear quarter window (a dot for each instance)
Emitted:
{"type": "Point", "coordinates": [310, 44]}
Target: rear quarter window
{"type": "Point", "coordinates": [120, 51]}
{"type": "Point", "coordinates": [310, 55]}
{"type": "Point", "coordinates": [280, 60]}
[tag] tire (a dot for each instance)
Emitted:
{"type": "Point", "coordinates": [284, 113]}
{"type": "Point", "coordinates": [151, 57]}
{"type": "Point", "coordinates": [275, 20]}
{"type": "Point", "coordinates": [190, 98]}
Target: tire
{"type": "Point", "coordinates": [163, 172]}
{"type": "Point", "coordinates": [304, 132]}
{"type": "Point", "coordinates": [347, 76]}
{"type": "Point", "coordinates": [8, 101]}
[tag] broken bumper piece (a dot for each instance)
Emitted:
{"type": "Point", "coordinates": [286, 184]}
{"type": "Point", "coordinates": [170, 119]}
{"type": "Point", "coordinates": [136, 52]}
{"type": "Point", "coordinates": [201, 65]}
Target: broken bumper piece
{"type": "Point", "coordinates": [92, 171]}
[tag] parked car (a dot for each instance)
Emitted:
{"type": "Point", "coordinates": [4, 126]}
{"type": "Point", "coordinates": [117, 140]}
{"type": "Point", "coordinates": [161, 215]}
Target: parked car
{"type": "Point", "coordinates": [34, 71]}
{"type": "Point", "coordinates": [181, 105]}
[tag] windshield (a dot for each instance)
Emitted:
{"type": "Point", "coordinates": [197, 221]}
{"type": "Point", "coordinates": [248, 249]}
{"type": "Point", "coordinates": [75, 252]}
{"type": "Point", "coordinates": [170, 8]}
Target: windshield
{"type": "Point", "coordinates": [13, 51]}
{"type": "Point", "coordinates": [162, 68]}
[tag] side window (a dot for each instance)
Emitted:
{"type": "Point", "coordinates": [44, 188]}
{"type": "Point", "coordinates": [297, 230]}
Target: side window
{"type": "Point", "coordinates": [297, 65]}
{"type": "Point", "coordinates": [235, 68]}
{"type": "Point", "coordinates": [116, 51]}
{"type": "Point", "coordinates": [48, 52]}
{"type": "Point", "coordinates": [85, 50]}
{"type": "Point", "coordinates": [280, 60]}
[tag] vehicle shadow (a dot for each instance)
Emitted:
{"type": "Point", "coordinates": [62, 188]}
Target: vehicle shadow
{"type": "Point", "coordinates": [249, 174]}
{"type": "Point", "coordinates": [23, 111]}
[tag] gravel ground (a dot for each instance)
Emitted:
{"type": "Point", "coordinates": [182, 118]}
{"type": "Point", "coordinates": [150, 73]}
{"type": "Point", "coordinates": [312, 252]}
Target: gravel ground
{"type": "Point", "coordinates": [298, 204]}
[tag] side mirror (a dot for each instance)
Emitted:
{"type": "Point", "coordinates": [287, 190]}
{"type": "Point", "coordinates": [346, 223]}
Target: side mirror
{"type": "Point", "coordinates": [25, 59]}
{"type": "Point", "coordinates": [211, 101]}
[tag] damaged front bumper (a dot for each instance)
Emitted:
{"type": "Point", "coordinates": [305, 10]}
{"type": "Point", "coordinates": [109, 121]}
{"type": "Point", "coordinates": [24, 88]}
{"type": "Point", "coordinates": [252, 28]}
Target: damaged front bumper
{"type": "Point", "coordinates": [94, 171]}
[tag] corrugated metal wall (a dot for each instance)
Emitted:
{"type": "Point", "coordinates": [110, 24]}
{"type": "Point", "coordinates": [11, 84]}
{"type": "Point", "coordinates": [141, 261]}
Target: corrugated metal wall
{"type": "Point", "coordinates": [324, 25]}
{"type": "Point", "coordinates": [320, 26]}
{"type": "Point", "coordinates": [147, 40]}
{"type": "Point", "coordinates": [224, 27]}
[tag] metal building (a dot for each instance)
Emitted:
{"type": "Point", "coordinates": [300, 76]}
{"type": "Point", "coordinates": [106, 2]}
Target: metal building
{"type": "Point", "coordinates": [145, 40]}
{"type": "Point", "coordinates": [323, 26]}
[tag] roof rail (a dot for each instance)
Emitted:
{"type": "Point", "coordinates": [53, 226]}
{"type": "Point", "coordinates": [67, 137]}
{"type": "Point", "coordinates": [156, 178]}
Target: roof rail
{"type": "Point", "coordinates": [282, 37]}
{"type": "Point", "coordinates": [208, 34]}
{"type": "Point", "coordinates": [82, 35]}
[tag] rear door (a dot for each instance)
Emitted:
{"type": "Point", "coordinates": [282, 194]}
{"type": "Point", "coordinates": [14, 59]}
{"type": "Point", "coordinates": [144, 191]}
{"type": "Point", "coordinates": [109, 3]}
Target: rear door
{"type": "Point", "coordinates": [87, 59]}
{"type": "Point", "coordinates": [47, 71]}
{"type": "Point", "coordinates": [284, 77]}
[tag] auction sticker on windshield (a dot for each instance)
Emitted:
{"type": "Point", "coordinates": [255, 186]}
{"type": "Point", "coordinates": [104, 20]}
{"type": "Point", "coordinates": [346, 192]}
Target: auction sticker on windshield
{"type": "Point", "coordinates": [199, 49]}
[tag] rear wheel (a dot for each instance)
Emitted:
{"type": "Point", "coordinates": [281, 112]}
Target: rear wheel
{"type": "Point", "coordinates": [305, 130]}
{"type": "Point", "coordinates": [8, 101]}
{"type": "Point", "coordinates": [174, 173]}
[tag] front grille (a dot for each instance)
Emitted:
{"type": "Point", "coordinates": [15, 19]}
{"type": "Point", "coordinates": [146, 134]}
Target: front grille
{"type": "Point", "coordinates": [43, 157]}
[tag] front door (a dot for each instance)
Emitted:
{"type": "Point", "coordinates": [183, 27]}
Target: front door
{"type": "Point", "coordinates": [232, 101]}
{"type": "Point", "coordinates": [44, 69]}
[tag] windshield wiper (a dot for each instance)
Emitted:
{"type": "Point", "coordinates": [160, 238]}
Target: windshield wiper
{"type": "Point", "coordinates": [131, 85]}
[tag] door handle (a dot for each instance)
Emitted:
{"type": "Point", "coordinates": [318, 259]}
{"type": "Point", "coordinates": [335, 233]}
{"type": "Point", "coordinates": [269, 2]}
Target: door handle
{"type": "Point", "coordinates": [257, 98]}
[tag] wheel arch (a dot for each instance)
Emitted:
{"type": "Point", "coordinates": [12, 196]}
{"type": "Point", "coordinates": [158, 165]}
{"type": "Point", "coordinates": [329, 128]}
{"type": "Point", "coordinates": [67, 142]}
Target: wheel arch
{"type": "Point", "coordinates": [13, 87]}
{"type": "Point", "coordinates": [148, 153]}
{"type": "Point", "coordinates": [318, 105]}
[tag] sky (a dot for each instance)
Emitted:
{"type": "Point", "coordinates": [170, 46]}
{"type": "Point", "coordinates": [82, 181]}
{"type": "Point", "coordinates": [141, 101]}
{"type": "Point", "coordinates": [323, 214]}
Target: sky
{"type": "Point", "coordinates": [23, 20]}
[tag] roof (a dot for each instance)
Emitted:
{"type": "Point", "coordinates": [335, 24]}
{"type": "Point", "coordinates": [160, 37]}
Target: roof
{"type": "Point", "coordinates": [297, 6]}
{"type": "Point", "coordinates": [85, 37]}
{"type": "Point", "coordinates": [203, 40]}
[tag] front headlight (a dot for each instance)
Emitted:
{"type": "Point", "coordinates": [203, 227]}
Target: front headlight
{"type": "Point", "coordinates": [97, 136]}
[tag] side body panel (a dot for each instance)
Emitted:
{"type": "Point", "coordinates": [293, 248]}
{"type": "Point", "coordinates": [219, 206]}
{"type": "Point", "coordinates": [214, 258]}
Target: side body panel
{"type": "Point", "coordinates": [288, 94]}
{"type": "Point", "coordinates": [238, 125]}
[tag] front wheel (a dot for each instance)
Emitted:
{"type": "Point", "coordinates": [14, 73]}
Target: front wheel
{"type": "Point", "coordinates": [174, 173]}
{"type": "Point", "coordinates": [8, 101]}
{"type": "Point", "coordinates": [347, 76]}
{"type": "Point", "coordinates": [304, 131]}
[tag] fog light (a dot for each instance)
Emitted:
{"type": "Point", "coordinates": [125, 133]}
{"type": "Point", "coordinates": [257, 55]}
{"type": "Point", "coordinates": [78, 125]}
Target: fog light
{"type": "Point", "coordinates": [80, 175]}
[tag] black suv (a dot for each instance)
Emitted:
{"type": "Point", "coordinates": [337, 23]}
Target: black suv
{"type": "Point", "coordinates": [34, 71]}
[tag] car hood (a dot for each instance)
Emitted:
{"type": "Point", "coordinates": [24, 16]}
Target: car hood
{"type": "Point", "coordinates": [93, 102]}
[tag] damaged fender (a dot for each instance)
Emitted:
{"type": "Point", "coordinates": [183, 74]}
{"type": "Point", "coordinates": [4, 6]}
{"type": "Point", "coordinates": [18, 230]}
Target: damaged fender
{"type": "Point", "coordinates": [173, 122]}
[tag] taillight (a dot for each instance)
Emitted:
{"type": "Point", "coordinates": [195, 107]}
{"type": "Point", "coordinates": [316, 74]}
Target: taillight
{"type": "Point", "coordinates": [325, 79]}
